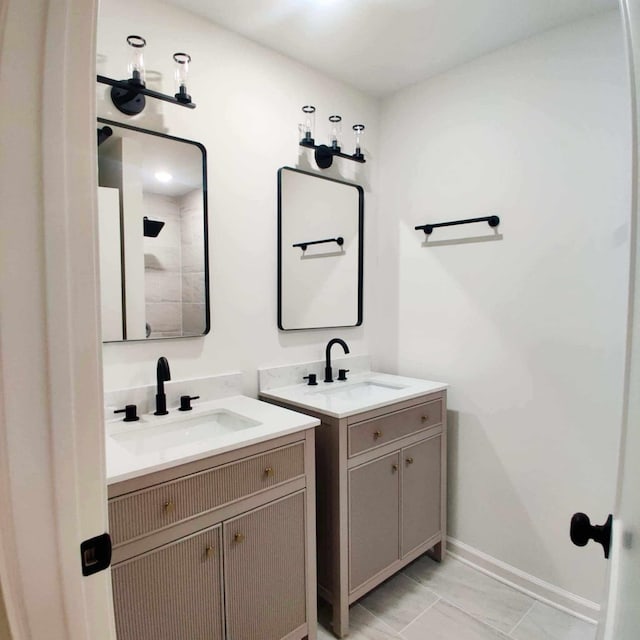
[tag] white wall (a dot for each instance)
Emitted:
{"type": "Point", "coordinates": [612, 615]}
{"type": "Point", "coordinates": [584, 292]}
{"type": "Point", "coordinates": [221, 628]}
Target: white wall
{"type": "Point", "coordinates": [528, 329]}
{"type": "Point", "coordinates": [248, 108]}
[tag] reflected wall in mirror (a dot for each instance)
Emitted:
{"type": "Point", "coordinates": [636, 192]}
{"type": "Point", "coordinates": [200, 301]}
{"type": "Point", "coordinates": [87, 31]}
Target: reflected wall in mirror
{"type": "Point", "coordinates": [152, 205]}
{"type": "Point", "coordinates": [320, 251]}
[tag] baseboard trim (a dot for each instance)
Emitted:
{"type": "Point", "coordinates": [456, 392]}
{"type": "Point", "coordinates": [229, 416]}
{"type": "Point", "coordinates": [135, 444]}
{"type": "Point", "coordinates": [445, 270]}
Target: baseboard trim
{"type": "Point", "coordinates": [524, 582]}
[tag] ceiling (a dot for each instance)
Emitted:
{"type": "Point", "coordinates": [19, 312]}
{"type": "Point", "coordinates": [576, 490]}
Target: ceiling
{"type": "Point", "coordinates": [380, 46]}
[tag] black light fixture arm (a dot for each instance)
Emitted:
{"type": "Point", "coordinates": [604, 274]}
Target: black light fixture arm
{"type": "Point", "coordinates": [493, 221]}
{"type": "Point", "coordinates": [134, 90]}
{"type": "Point", "coordinates": [326, 152]}
{"type": "Point", "coordinates": [303, 245]}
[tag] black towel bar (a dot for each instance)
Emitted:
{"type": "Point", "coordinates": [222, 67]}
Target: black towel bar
{"type": "Point", "coordinates": [493, 221]}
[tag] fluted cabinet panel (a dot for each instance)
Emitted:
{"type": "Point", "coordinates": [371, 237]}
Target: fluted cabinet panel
{"type": "Point", "coordinates": [143, 512]}
{"type": "Point", "coordinates": [421, 493]}
{"type": "Point", "coordinates": [265, 571]}
{"type": "Point", "coordinates": [172, 593]}
{"type": "Point", "coordinates": [374, 512]}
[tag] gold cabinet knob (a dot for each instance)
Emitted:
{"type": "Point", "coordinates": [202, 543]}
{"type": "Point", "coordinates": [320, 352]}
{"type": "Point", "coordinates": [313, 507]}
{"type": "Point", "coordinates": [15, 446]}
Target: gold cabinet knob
{"type": "Point", "coordinates": [239, 537]}
{"type": "Point", "coordinates": [409, 460]}
{"type": "Point", "coordinates": [394, 467]}
{"type": "Point", "coordinates": [208, 552]}
{"type": "Point", "coordinates": [377, 435]}
{"type": "Point", "coordinates": [268, 472]}
{"type": "Point", "coordinates": [424, 418]}
{"type": "Point", "coordinates": [168, 506]}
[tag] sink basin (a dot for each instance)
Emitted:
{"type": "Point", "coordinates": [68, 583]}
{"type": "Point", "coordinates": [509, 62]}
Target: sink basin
{"type": "Point", "coordinates": [187, 431]}
{"type": "Point", "coordinates": [360, 391]}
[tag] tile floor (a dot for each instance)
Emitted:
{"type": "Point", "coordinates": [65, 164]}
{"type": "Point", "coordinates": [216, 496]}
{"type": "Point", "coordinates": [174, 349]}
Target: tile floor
{"type": "Point", "coordinates": [452, 601]}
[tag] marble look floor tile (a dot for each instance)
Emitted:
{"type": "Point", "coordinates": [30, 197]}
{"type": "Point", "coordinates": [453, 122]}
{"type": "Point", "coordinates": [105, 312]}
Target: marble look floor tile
{"type": "Point", "coordinates": [398, 601]}
{"type": "Point", "coordinates": [443, 621]}
{"type": "Point", "coordinates": [547, 623]}
{"type": "Point", "coordinates": [476, 593]}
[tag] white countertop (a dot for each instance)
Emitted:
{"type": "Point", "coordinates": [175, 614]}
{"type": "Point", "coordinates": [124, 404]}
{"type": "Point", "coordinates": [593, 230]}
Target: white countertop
{"type": "Point", "coordinates": [361, 392]}
{"type": "Point", "coordinates": [129, 453]}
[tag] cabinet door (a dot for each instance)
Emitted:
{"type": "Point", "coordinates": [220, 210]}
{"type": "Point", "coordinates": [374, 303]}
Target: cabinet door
{"type": "Point", "coordinates": [171, 593]}
{"type": "Point", "coordinates": [420, 493]}
{"type": "Point", "coordinates": [374, 517]}
{"type": "Point", "coordinates": [264, 570]}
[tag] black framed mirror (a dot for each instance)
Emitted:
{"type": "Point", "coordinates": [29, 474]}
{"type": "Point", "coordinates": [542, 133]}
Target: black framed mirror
{"type": "Point", "coordinates": [320, 251]}
{"type": "Point", "coordinates": [153, 229]}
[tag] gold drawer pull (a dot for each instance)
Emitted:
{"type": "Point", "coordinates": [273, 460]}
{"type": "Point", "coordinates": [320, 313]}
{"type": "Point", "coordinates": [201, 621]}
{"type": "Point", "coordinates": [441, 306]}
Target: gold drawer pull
{"type": "Point", "coordinates": [409, 460]}
{"type": "Point", "coordinates": [424, 418]}
{"type": "Point", "coordinates": [239, 537]}
{"type": "Point", "coordinates": [377, 435]}
{"type": "Point", "coordinates": [394, 467]}
{"type": "Point", "coordinates": [169, 506]}
{"type": "Point", "coordinates": [268, 472]}
{"type": "Point", "coordinates": [209, 552]}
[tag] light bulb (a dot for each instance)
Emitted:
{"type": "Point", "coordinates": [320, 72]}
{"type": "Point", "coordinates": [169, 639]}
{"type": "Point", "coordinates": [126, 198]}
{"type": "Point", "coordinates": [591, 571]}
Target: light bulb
{"type": "Point", "coordinates": [136, 60]}
{"type": "Point", "coordinates": [182, 61]}
{"type": "Point", "coordinates": [359, 132]}
{"type": "Point", "coordinates": [336, 131]}
{"type": "Point", "coordinates": [309, 123]}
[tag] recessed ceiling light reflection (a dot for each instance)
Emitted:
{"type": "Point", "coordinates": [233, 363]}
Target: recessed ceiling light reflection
{"type": "Point", "coordinates": [163, 176]}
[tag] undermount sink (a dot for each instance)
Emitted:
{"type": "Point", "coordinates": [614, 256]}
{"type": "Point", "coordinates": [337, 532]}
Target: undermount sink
{"type": "Point", "coordinates": [359, 390]}
{"type": "Point", "coordinates": [186, 431]}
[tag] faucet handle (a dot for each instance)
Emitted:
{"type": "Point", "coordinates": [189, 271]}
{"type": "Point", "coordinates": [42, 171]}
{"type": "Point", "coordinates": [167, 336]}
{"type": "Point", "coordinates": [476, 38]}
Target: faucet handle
{"type": "Point", "coordinates": [130, 413]}
{"type": "Point", "coordinates": [312, 379]}
{"type": "Point", "coordinates": [185, 402]}
{"type": "Point", "coordinates": [342, 374]}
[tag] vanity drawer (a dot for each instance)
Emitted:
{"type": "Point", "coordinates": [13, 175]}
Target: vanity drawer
{"type": "Point", "coordinates": [374, 433]}
{"type": "Point", "coordinates": [144, 512]}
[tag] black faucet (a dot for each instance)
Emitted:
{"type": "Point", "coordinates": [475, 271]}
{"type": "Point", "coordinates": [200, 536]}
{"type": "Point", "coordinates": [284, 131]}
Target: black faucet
{"type": "Point", "coordinates": [163, 375]}
{"type": "Point", "coordinates": [328, 374]}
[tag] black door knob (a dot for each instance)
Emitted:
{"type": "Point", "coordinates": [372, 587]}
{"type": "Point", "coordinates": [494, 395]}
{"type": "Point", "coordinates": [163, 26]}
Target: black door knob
{"type": "Point", "coordinates": [582, 531]}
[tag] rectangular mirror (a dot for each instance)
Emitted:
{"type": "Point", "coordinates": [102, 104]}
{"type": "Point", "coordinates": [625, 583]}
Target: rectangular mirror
{"type": "Point", "coordinates": [320, 251]}
{"type": "Point", "coordinates": [152, 206]}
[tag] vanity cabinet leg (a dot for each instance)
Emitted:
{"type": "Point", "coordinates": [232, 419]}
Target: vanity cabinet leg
{"type": "Point", "coordinates": [340, 619]}
{"type": "Point", "coordinates": [437, 552]}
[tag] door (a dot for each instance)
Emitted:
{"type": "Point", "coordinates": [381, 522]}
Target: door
{"type": "Point", "coordinates": [171, 593]}
{"type": "Point", "coordinates": [264, 571]}
{"type": "Point", "coordinates": [374, 518]}
{"type": "Point", "coordinates": [621, 607]}
{"type": "Point", "coordinates": [421, 493]}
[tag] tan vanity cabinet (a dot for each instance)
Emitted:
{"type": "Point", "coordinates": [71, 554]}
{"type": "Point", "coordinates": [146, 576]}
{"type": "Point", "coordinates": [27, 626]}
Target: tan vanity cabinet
{"type": "Point", "coordinates": [381, 495]}
{"type": "Point", "coordinates": [221, 548]}
{"type": "Point", "coordinates": [264, 552]}
{"type": "Point", "coordinates": [421, 493]}
{"type": "Point", "coordinates": [374, 508]}
{"type": "Point", "coordinates": [174, 591]}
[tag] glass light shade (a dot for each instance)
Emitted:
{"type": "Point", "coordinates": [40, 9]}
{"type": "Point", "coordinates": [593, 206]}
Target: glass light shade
{"type": "Point", "coordinates": [181, 75]}
{"type": "Point", "coordinates": [136, 59]}
{"type": "Point", "coordinates": [336, 131]}
{"type": "Point", "coordinates": [359, 133]}
{"type": "Point", "coordinates": [309, 124]}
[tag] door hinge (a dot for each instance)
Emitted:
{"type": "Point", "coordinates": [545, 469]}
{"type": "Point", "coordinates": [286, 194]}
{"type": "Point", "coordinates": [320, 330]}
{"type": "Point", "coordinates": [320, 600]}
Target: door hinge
{"type": "Point", "coordinates": [95, 554]}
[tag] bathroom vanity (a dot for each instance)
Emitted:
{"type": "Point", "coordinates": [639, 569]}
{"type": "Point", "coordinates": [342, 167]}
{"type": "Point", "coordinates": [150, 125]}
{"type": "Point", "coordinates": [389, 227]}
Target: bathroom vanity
{"type": "Point", "coordinates": [214, 536]}
{"type": "Point", "coordinates": [381, 479]}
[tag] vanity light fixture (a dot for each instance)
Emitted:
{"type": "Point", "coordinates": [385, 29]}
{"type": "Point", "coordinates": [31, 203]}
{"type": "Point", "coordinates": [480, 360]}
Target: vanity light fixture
{"type": "Point", "coordinates": [324, 154]}
{"type": "Point", "coordinates": [128, 96]}
{"type": "Point", "coordinates": [309, 124]}
{"type": "Point", "coordinates": [359, 131]}
{"type": "Point", "coordinates": [182, 61]}
{"type": "Point", "coordinates": [136, 60]}
{"type": "Point", "coordinates": [336, 131]}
